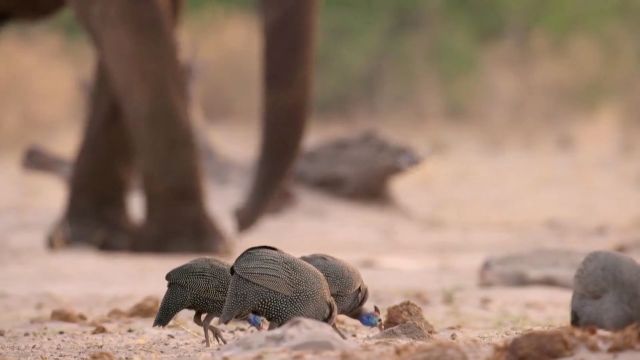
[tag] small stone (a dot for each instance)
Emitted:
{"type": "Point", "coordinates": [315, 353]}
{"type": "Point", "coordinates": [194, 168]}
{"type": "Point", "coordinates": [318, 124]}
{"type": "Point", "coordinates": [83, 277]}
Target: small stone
{"type": "Point", "coordinates": [26, 333]}
{"type": "Point", "coordinates": [129, 330]}
{"type": "Point", "coordinates": [171, 336]}
{"type": "Point", "coordinates": [61, 332]}
{"type": "Point", "coordinates": [454, 336]}
{"type": "Point", "coordinates": [404, 312]}
{"type": "Point", "coordinates": [2, 332]}
{"type": "Point", "coordinates": [99, 329]}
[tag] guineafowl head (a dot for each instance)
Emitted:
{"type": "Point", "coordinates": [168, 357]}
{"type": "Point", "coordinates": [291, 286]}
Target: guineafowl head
{"type": "Point", "coordinates": [371, 318]}
{"type": "Point", "coordinates": [256, 321]}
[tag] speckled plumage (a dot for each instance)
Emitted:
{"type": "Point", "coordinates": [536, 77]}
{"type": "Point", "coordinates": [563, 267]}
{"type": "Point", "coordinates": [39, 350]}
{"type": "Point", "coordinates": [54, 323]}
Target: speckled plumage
{"type": "Point", "coordinates": [345, 283]}
{"type": "Point", "coordinates": [278, 286]}
{"type": "Point", "coordinates": [606, 291]}
{"type": "Point", "coordinates": [199, 285]}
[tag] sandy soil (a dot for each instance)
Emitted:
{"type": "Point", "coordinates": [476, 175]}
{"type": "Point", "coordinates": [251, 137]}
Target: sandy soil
{"type": "Point", "coordinates": [469, 200]}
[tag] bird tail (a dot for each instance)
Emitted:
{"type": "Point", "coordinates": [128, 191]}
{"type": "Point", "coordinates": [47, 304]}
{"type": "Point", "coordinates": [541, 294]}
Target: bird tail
{"type": "Point", "coordinates": [175, 299]}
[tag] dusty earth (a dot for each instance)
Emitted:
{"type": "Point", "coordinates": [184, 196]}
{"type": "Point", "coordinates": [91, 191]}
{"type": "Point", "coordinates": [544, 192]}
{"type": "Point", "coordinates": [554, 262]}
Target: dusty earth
{"type": "Point", "coordinates": [470, 199]}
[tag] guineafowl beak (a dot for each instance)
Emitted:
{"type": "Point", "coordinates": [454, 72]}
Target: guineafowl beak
{"type": "Point", "coordinates": [376, 310]}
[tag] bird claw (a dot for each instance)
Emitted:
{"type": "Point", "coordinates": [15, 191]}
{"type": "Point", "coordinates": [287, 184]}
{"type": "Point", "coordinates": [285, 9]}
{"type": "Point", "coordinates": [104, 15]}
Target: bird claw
{"type": "Point", "coordinates": [217, 334]}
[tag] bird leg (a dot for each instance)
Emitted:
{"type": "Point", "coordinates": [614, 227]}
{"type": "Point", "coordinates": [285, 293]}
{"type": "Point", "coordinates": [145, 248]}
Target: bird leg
{"type": "Point", "coordinates": [338, 331]}
{"type": "Point", "coordinates": [197, 318]}
{"type": "Point", "coordinates": [217, 334]}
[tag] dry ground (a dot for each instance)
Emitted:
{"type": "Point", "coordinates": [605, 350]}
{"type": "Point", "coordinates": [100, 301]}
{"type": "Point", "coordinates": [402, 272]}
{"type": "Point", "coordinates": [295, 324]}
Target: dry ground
{"type": "Point", "coordinates": [470, 199]}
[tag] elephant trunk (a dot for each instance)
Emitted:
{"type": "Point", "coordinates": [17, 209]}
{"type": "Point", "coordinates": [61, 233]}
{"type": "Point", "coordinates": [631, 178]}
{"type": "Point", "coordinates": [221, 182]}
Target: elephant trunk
{"type": "Point", "coordinates": [288, 27]}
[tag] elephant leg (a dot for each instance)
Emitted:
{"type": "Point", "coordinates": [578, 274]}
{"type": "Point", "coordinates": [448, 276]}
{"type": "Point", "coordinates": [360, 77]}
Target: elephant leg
{"type": "Point", "coordinates": [288, 27]}
{"type": "Point", "coordinates": [135, 41]}
{"type": "Point", "coordinates": [96, 209]}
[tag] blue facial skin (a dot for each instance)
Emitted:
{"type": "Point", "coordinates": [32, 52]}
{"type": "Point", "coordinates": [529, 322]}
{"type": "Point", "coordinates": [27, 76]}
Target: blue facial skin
{"type": "Point", "coordinates": [369, 319]}
{"type": "Point", "coordinates": [255, 321]}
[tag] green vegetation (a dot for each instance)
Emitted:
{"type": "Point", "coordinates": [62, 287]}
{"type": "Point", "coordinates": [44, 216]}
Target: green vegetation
{"type": "Point", "coordinates": [381, 49]}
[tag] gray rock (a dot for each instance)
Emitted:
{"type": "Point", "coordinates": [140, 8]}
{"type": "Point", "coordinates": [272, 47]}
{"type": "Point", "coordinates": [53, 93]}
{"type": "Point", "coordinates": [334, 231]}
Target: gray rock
{"type": "Point", "coordinates": [297, 334]}
{"type": "Point", "coordinates": [552, 267]}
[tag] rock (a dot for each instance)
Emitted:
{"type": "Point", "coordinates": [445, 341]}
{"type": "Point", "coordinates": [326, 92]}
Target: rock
{"type": "Point", "coordinates": [102, 355]}
{"type": "Point", "coordinates": [404, 312]}
{"type": "Point", "coordinates": [437, 351]}
{"type": "Point", "coordinates": [117, 314]}
{"type": "Point", "coordinates": [99, 329]}
{"type": "Point", "coordinates": [298, 334]}
{"type": "Point", "coordinates": [409, 330]}
{"type": "Point", "coordinates": [67, 315]}
{"type": "Point", "coordinates": [553, 267]}
{"type": "Point", "coordinates": [356, 167]}
{"type": "Point", "coordinates": [537, 345]}
{"type": "Point", "coordinates": [147, 307]}
{"type": "Point", "coordinates": [2, 332]}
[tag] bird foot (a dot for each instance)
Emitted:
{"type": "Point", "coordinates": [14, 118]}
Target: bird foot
{"type": "Point", "coordinates": [217, 334]}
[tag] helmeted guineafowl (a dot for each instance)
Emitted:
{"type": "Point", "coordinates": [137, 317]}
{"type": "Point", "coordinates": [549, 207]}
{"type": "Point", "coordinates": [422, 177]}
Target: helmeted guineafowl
{"type": "Point", "coordinates": [347, 288]}
{"type": "Point", "coordinates": [271, 283]}
{"type": "Point", "coordinates": [199, 285]}
{"type": "Point", "coordinates": [606, 291]}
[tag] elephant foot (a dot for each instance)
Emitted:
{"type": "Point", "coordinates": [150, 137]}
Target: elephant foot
{"type": "Point", "coordinates": [70, 232]}
{"type": "Point", "coordinates": [198, 235]}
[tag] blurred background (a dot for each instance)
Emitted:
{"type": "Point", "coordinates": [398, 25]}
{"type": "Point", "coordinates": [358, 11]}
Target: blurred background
{"type": "Point", "coordinates": [505, 85]}
{"type": "Point", "coordinates": [527, 113]}
{"type": "Point", "coordinates": [525, 65]}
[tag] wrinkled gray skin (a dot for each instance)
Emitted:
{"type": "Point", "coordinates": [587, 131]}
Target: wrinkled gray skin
{"type": "Point", "coordinates": [606, 291]}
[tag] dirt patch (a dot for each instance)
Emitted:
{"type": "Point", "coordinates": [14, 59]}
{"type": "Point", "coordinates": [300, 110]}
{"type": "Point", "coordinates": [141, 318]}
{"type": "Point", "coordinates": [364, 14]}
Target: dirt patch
{"type": "Point", "coordinates": [68, 315]}
{"type": "Point", "coordinates": [562, 342]}
{"type": "Point", "coordinates": [406, 312]}
{"type": "Point", "coordinates": [537, 345]}
{"type": "Point", "coordinates": [102, 355]}
{"type": "Point", "coordinates": [626, 339]}
{"type": "Point", "coordinates": [438, 350]}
